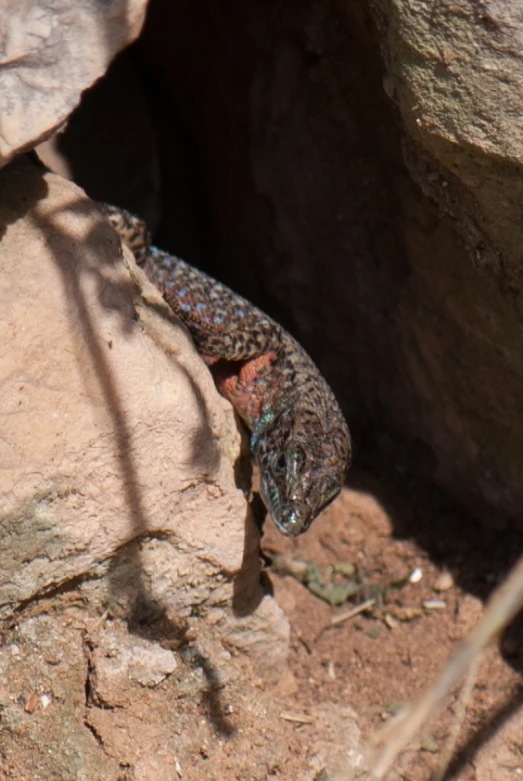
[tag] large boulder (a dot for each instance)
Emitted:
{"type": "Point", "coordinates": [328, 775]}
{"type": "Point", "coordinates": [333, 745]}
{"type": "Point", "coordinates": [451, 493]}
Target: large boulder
{"type": "Point", "coordinates": [118, 457]}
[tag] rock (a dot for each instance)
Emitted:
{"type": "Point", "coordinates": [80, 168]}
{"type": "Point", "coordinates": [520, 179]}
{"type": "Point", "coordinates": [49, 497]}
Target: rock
{"type": "Point", "coordinates": [106, 439]}
{"type": "Point", "coordinates": [50, 53]}
{"type": "Point", "coordinates": [119, 659]}
{"type": "Point", "coordinates": [448, 74]}
{"type": "Point", "coordinates": [443, 582]}
{"type": "Point", "coordinates": [117, 453]}
{"type": "Point", "coordinates": [128, 554]}
{"type": "Point", "coordinates": [339, 753]}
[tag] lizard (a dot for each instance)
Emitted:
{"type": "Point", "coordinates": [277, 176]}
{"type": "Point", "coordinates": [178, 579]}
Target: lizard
{"type": "Point", "coordinates": [299, 438]}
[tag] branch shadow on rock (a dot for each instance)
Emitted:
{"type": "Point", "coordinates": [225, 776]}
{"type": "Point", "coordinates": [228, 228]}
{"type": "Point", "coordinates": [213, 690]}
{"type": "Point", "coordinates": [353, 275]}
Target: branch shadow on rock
{"type": "Point", "coordinates": [249, 587]}
{"type": "Point", "coordinates": [146, 614]}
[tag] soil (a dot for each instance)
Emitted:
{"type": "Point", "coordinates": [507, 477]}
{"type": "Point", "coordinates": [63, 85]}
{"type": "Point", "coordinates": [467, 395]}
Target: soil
{"type": "Point", "coordinates": [381, 659]}
{"type": "Point", "coordinates": [91, 697]}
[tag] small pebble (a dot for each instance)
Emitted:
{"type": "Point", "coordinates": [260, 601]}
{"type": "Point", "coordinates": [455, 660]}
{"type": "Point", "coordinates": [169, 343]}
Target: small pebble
{"type": "Point", "coordinates": [374, 632]}
{"type": "Point", "coordinates": [392, 708]}
{"type": "Point", "coordinates": [45, 700]}
{"type": "Point", "coordinates": [416, 576]}
{"type": "Point", "coordinates": [434, 604]}
{"type": "Point", "coordinates": [406, 612]}
{"type": "Point", "coordinates": [443, 582]}
{"type": "Point", "coordinates": [31, 703]}
{"type": "Point", "coordinates": [391, 621]}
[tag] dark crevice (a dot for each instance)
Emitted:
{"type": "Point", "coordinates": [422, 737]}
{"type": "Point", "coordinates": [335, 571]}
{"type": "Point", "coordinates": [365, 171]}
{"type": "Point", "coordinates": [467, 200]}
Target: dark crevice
{"type": "Point", "coordinates": [87, 689]}
{"type": "Point", "coordinates": [46, 593]}
{"type": "Point", "coordinates": [95, 734]}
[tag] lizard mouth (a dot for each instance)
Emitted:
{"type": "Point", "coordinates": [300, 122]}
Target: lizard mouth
{"type": "Point", "coordinates": [291, 523]}
{"type": "Point", "coordinates": [287, 518]}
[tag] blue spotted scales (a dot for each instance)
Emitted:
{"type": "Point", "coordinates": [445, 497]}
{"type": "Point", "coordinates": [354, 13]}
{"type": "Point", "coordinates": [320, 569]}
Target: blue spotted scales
{"type": "Point", "coordinates": [300, 440]}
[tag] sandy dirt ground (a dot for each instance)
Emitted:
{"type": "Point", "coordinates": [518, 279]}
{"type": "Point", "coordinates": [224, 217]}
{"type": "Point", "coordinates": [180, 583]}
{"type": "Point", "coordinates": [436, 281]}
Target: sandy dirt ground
{"type": "Point", "coordinates": [81, 697]}
{"type": "Point", "coordinates": [429, 569]}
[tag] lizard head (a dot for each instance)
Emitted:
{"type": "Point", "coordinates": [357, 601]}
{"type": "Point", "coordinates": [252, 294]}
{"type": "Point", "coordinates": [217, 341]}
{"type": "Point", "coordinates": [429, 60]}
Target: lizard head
{"type": "Point", "coordinates": [303, 459]}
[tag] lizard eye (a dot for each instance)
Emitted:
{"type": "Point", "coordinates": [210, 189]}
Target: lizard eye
{"type": "Point", "coordinates": [279, 464]}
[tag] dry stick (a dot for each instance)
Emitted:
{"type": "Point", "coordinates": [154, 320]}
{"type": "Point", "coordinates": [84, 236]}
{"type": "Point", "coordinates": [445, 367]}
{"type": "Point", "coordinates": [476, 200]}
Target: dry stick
{"type": "Point", "coordinates": [345, 616]}
{"type": "Point", "coordinates": [353, 612]}
{"type": "Point", "coordinates": [503, 605]}
{"type": "Point", "coordinates": [297, 719]}
{"type": "Point", "coordinates": [450, 745]}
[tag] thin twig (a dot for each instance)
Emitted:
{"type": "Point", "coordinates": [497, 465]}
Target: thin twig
{"type": "Point", "coordinates": [504, 604]}
{"type": "Point", "coordinates": [351, 613]}
{"type": "Point", "coordinates": [297, 719]}
{"type": "Point", "coordinates": [448, 750]}
{"type": "Point", "coordinates": [345, 616]}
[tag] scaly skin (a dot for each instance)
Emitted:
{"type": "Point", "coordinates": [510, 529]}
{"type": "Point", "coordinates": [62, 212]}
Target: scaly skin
{"type": "Point", "coordinates": [300, 440]}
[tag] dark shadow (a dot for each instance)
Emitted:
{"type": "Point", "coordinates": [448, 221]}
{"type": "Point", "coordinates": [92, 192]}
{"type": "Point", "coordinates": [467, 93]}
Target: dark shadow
{"type": "Point", "coordinates": [249, 587]}
{"type": "Point", "coordinates": [487, 731]}
{"type": "Point", "coordinates": [399, 475]}
{"type": "Point", "coordinates": [127, 173]}
{"type": "Point", "coordinates": [511, 643]}
{"type": "Point", "coordinates": [21, 202]}
{"type": "Point", "coordinates": [211, 697]}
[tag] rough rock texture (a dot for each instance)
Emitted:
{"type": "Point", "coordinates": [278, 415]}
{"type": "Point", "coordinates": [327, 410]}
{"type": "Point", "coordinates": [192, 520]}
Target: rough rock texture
{"type": "Point", "coordinates": [49, 53]}
{"type": "Point", "coordinates": [129, 571]}
{"type": "Point", "coordinates": [83, 699]}
{"type": "Point", "coordinates": [117, 454]}
{"type": "Point", "coordinates": [456, 72]}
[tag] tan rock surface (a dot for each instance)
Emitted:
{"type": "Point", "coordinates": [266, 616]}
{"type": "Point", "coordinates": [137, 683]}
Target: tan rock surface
{"type": "Point", "coordinates": [456, 74]}
{"type": "Point", "coordinates": [104, 438]}
{"type": "Point", "coordinates": [122, 529]}
{"type": "Point", "coordinates": [50, 52]}
{"type": "Point", "coordinates": [82, 698]}
{"type": "Point", "coordinates": [114, 439]}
